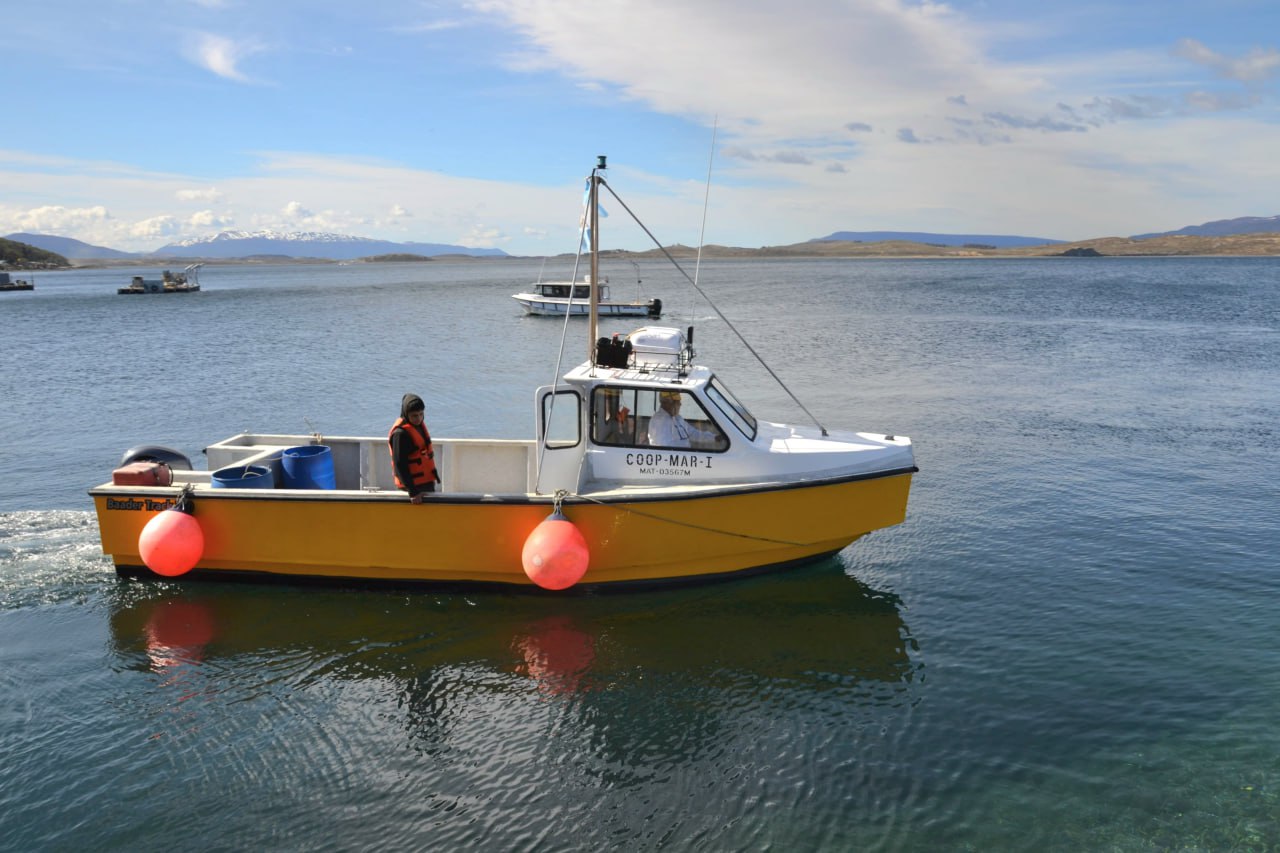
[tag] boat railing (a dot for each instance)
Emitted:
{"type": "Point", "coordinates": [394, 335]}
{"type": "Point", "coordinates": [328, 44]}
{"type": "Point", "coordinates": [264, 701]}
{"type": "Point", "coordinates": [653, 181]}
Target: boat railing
{"type": "Point", "coordinates": [468, 465]}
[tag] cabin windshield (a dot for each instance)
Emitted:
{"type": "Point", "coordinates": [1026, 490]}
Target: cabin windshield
{"type": "Point", "coordinates": [647, 417]}
{"type": "Point", "coordinates": [732, 408]}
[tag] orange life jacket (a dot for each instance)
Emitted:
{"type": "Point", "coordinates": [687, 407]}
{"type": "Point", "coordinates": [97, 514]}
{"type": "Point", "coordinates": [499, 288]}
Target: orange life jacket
{"type": "Point", "coordinates": [422, 459]}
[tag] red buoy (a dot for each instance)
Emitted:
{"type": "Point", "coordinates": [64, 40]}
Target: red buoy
{"type": "Point", "coordinates": [172, 542]}
{"type": "Point", "coordinates": [555, 555]}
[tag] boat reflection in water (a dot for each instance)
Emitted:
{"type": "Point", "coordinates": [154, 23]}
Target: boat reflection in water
{"type": "Point", "coordinates": [811, 630]}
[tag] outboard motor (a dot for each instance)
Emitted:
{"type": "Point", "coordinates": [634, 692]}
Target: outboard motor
{"type": "Point", "coordinates": [156, 453]}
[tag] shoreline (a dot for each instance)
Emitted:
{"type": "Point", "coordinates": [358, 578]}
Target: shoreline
{"type": "Point", "coordinates": [1183, 246]}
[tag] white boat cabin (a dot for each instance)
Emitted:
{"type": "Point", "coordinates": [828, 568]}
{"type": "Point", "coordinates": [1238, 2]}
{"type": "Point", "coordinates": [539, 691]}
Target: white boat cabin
{"type": "Point", "coordinates": [644, 415]}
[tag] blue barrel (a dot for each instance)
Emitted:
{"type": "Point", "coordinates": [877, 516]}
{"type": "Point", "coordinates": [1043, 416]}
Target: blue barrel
{"type": "Point", "coordinates": [244, 477]}
{"type": "Point", "coordinates": [308, 467]}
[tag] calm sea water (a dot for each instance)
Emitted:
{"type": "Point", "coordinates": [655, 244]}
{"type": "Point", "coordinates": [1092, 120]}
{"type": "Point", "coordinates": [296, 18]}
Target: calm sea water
{"type": "Point", "coordinates": [1070, 644]}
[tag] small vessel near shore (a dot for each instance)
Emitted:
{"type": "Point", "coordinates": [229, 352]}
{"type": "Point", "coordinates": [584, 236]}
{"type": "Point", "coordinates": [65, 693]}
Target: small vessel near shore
{"type": "Point", "coordinates": [557, 298]}
{"type": "Point", "coordinates": [643, 468]}
{"type": "Point", "coordinates": [7, 283]}
{"type": "Point", "coordinates": [187, 281]}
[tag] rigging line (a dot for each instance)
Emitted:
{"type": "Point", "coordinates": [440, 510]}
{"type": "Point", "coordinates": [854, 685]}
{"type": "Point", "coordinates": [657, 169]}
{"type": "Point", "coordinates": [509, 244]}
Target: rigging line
{"type": "Point", "coordinates": [691, 525]}
{"type": "Point", "coordinates": [719, 313]}
{"type": "Point", "coordinates": [706, 200]}
{"type": "Point", "coordinates": [564, 335]}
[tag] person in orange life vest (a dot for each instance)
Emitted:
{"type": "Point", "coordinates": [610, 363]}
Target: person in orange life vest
{"type": "Point", "coordinates": [412, 455]}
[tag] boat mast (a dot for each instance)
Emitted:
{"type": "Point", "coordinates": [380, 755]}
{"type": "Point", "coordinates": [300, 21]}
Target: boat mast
{"type": "Point", "coordinates": [596, 180]}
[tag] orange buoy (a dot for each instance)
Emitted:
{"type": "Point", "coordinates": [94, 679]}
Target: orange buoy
{"type": "Point", "coordinates": [171, 544]}
{"type": "Point", "coordinates": [555, 555]}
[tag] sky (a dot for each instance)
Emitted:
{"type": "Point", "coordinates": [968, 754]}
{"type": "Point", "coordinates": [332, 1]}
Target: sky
{"type": "Point", "coordinates": [135, 123]}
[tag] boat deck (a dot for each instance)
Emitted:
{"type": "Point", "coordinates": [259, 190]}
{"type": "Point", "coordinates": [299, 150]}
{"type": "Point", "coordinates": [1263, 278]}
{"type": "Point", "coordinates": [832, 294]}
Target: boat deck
{"type": "Point", "coordinates": [468, 466]}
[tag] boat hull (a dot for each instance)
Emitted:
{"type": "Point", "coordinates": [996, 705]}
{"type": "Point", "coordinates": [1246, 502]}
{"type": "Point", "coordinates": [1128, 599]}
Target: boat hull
{"type": "Point", "coordinates": [354, 536]}
{"type": "Point", "coordinates": [558, 308]}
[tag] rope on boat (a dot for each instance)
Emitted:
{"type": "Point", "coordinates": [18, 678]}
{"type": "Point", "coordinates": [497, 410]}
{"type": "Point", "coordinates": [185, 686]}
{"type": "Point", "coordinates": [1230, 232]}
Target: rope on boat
{"type": "Point", "coordinates": [562, 494]}
{"type": "Point", "coordinates": [714, 308]}
{"type": "Point", "coordinates": [706, 201]}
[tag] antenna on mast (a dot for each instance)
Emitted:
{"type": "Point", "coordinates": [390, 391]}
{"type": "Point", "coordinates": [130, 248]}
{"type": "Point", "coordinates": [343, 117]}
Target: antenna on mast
{"type": "Point", "coordinates": [593, 217]}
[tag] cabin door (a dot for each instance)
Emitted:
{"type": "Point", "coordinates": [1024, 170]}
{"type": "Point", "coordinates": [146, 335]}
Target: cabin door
{"type": "Point", "coordinates": [560, 439]}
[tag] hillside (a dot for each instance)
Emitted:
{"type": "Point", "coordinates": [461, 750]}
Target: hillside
{"type": "Point", "coordinates": [1259, 245]}
{"type": "Point", "coordinates": [1224, 228]}
{"type": "Point", "coordinates": [68, 247]}
{"type": "Point", "coordinates": [21, 256]}
{"type": "Point", "coordinates": [995, 241]}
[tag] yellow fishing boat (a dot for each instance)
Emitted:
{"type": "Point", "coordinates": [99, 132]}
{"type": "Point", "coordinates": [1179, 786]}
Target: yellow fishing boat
{"type": "Point", "coordinates": [643, 467]}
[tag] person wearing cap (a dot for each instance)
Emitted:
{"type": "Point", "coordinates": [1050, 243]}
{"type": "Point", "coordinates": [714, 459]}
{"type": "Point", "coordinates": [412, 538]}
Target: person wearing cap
{"type": "Point", "coordinates": [668, 429]}
{"type": "Point", "coordinates": [413, 457]}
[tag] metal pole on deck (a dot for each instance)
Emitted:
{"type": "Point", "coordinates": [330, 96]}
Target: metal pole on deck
{"type": "Point", "coordinates": [593, 325]}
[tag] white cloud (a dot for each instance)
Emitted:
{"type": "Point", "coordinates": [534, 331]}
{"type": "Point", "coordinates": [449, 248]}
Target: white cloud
{"type": "Point", "coordinates": [54, 219]}
{"type": "Point", "coordinates": [221, 55]}
{"type": "Point", "coordinates": [768, 73]}
{"type": "Point", "coordinates": [1256, 65]}
{"type": "Point", "coordinates": [436, 26]}
{"type": "Point", "coordinates": [156, 226]}
{"type": "Point", "coordinates": [209, 194]}
{"type": "Point", "coordinates": [483, 236]}
{"type": "Point", "coordinates": [207, 219]}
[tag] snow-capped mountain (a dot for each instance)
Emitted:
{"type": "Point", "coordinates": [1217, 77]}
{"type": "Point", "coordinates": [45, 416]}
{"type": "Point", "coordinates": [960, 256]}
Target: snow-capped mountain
{"type": "Point", "coordinates": [306, 244]}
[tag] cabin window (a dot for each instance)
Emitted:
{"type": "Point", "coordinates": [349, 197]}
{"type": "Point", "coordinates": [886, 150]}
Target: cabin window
{"type": "Point", "coordinates": [678, 420]}
{"type": "Point", "coordinates": [615, 416]}
{"type": "Point", "coordinates": [732, 409]}
{"type": "Point", "coordinates": [624, 417]}
{"type": "Point", "coordinates": [561, 419]}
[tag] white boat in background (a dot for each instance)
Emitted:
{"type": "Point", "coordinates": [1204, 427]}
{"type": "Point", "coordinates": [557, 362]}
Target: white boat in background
{"type": "Point", "coordinates": [556, 298]}
{"type": "Point", "coordinates": [643, 468]}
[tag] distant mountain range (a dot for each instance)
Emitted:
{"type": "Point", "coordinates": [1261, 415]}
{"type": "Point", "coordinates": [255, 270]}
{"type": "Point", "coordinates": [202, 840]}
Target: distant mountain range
{"type": "Point", "coordinates": [67, 247]}
{"type": "Point", "coordinates": [1218, 228]}
{"type": "Point", "coordinates": [1224, 228]}
{"type": "Point", "coordinates": [999, 241]}
{"type": "Point", "coordinates": [244, 244]}
{"type": "Point", "coordinates": [307, 244]}
{"type": "Point", "coordinates": [343, 247]}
